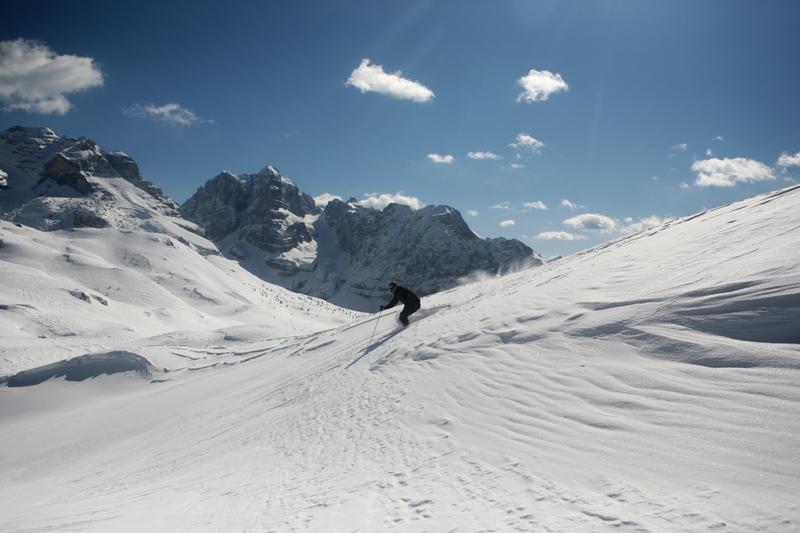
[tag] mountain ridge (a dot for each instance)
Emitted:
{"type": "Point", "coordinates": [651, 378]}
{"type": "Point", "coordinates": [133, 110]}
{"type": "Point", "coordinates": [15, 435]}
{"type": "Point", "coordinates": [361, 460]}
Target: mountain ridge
{"type": "Point", "coordinates": [343, 252]}
{"type": "Point", "coordinates": [261, 220]}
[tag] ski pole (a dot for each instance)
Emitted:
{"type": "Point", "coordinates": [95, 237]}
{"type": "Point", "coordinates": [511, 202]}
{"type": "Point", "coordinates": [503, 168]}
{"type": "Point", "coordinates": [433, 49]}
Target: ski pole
{"type": "Point", "coordinates": [375, 328]}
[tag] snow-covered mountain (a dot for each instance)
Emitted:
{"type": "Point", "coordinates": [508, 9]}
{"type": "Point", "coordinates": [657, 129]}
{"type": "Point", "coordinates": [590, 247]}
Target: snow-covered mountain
{"type": "Point", "coordinates": [649, 384]}
{"type": "Point", "coordinates": [346, 252]}
{"type": "Point", "coordinates": [54, 182]}
{"type": "Point", "coordinates": [93, 256]}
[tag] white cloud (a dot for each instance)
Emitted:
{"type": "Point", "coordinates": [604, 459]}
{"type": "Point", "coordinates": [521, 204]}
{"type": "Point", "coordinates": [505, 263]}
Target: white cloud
{"type": "Point", "coordinates": [643, 224]}
{"type": "Point", "coordinates": [381, 200]}
{"type": "Point", "coordinates": [571, 205]}
{"type": "Point", "coordinates": [709, 153]}
{"type": "Point", "coordinates": [372, 78]}
{"type": "Point", "coordinates": [538, 204]}
{"type": "Point", "coordinates": [538, 85]}
{"type": "Point", "coordinates": [441, 159]}
{"type": "Point", "coordinates": [523, 140]}
{"type": "Point", "coordinates": [33, 78]}
{"type": "Point", "coordinates": [680, 147]}
{"type": "Point", "coordinates": [654, 178]}
{"type": "Point", "coordinates": [323, 199]}
{"type": "Point", "coordinates": [173, 113]}
{"type": "Point", "coordinates": [729, 172]}
{"type": "Point", "coordinates": [591, 221]}
{"type": "Point", "coordinates": [718, 138]}
{"type": "Point", "coordinates": [786, 160]}
{"type": "Point", "coordinates": [501, 205]}
{"type": "Point", "coordinates": [472, 213]}
{"type": "Point", "coordinates": [558, 236]}
{"type": "Point", "coordinates": [685, 185]}
{"type": "Point", "coordinates": [507, 223]}
{"type": "Point", "coordinates": [483, 155]}
{"type": "Point", "coordinates": [516, 166]}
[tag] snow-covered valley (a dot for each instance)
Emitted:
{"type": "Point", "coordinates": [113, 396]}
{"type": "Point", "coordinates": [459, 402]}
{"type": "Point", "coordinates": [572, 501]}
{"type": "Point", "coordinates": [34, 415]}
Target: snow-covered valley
{"type": "Point", "coordinates": [649, 384]}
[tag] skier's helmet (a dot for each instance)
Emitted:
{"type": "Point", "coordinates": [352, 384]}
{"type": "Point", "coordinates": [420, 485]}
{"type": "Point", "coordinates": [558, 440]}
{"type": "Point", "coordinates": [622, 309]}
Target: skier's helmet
{"type": "Point", "coordinates": [392, 285]}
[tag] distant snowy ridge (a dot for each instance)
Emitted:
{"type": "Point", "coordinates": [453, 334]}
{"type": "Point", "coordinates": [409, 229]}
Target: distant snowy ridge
{"type": "Point", "coordinates": [57, 182]}
{"type": "Point", "coordinates": [345, 252]}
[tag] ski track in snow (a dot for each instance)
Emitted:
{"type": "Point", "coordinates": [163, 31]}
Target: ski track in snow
{"type": "Point", "coordinates": [626, 388]}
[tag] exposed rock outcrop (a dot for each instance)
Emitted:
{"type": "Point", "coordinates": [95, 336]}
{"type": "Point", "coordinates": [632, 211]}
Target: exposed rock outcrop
{"type": "Point", "coordinates": [51, 182]}
{"type": "Point", "coordinates": [264, 209]}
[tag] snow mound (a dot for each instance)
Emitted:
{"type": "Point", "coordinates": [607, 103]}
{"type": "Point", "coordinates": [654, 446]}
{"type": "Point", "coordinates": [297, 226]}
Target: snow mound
{"type": "Point", "coordinates": [81, 368]}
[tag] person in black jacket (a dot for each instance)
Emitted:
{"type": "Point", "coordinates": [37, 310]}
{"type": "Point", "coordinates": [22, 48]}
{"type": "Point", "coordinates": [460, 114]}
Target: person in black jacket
{"type": "Point", "coordinates": [409, 299]}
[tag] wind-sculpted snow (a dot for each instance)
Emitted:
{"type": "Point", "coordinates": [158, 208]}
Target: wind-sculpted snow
{"type": "Point", "coordinates": [619, 389]}
{"type": "Point", "coordinates": [81, 368]}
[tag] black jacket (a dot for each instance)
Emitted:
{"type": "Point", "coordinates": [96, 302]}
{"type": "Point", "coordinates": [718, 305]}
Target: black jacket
{"type": "Point", "coordinates": [404, 295]}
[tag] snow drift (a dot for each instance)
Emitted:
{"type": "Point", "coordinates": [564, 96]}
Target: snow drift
{"type": "Point", "coordinates": [81, 368]}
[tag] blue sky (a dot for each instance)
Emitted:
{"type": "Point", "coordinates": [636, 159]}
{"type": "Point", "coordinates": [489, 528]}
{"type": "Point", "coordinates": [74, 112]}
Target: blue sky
{"type": "Point", "coordinates": [651, 87]}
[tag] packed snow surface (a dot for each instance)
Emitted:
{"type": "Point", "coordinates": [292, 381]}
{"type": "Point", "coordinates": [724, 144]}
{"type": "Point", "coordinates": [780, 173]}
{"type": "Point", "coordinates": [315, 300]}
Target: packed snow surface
{"type": "Point", "coordinates": [649, 384]}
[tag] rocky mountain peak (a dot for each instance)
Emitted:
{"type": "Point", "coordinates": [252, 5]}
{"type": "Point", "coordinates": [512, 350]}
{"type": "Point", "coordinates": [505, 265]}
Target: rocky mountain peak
{"type": "Point", "coordinates": [264, 209]}
{"type": "Point", "coordinates": [270, 171]}
{"type": "Point", "coordinates": [51, 180]}
{"type": "Point", "coordinates": [36, 134]}
{"type": "Point", "coordinates": [345, 252]}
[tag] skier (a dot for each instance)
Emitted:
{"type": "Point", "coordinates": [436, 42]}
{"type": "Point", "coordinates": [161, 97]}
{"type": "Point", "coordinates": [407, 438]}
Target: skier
{"type": "Point", "coordinates": [409, 299]}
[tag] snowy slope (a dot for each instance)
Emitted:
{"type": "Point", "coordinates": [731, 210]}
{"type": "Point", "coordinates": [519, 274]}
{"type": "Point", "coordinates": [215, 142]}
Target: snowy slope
{"type": "Point", "coordinates": [67, 293]}
{"type": "Point", "coordinates": [650, 384]}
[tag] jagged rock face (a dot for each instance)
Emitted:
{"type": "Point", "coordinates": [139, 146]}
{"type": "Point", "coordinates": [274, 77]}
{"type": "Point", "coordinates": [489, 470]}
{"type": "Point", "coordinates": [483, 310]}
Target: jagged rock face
{"type": "Point", "coordinates": [125, 166]}
{"type": "Point", "coordinates": [428, 249]}
{"type": "Point", "coordinates": [263, 209]}
{"type": "Point", "coordinates": [348, 252]}
{"type": "Point", "coordinates": [216, 205]}
{"type": "Point", "coordinates": [53, 182]}
{"type": "Point", "coordinates": [66, 172]}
